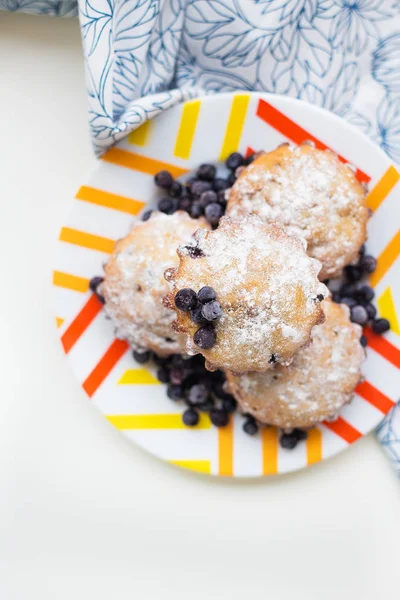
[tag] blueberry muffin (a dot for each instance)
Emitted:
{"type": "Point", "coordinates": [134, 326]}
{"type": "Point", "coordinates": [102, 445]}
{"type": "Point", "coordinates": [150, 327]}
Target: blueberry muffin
{"type": "Point", "coordinates": [315, 386]}
{"type": "Point", "coordinates": [134, 283]}
{"type": "Point", "coordinates": [311, 194]}
{"type": "Point", "coordinates": [246, 295]}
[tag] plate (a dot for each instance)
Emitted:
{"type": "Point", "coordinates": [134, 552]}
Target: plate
{"type": "Point", "coordinates": [129, 396]}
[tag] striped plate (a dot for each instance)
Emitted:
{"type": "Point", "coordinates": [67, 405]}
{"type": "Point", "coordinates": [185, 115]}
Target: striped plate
{"type": "Point", "coordinates": [127, 394]}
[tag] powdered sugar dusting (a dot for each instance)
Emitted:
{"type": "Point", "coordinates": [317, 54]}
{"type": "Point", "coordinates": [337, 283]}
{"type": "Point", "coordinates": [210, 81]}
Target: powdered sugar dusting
{"type": "Point", "coordinates": [134, 284]}
{"type": "Point", "coordinates": [312, 195]}
{"type": "Point", "coordinates": [318, 382]}
{"type": "Point", "coordinates": [267, 286]}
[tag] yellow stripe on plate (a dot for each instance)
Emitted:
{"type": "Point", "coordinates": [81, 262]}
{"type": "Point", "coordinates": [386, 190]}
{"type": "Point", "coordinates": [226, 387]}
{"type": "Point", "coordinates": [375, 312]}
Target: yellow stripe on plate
{"type": "Point", "coordinates": [141, 136]}
{"type": "Point", "coordinates": [269, 439]}
{"type": "Point", "coordinates": [138, 376]}
{"type": "Point", "coordinates": [101, 198]}
{"type": "Point", "coordinates": [383, 188]}
{"type": "Point", "coordinates": [387, 309]}
{"type": "Point", "coordinates": [235, 124]}
{"type": "Point", "coordinates": [59, 321]}
{"type": "Point", "coordinates": [386, 259]}
{"type": "Point", "coordinates": [157, 421]}
{"type": "Point", "coordinates": [202, 466]}
{"type": "Point", "coordinates": [225, 449]}
{"type": "Point", "coordinates": [314, 446]}
{"type": "Point", "coordinates": [187, 129]}
{"type": "Point", "coordinates": [86, 240]}
{"type": "Point", "coordinates": [70, 282]}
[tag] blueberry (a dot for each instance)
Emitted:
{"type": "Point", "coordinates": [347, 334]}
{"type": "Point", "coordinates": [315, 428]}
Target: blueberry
{"type": "Point", "coordinates": [368, 263]}
{"type": "Point", "coordinates": [371, 311]}
{"type": "Point", "coordinates": [141, 357]}
{"type": "Point", "coordinates": [206, 294]}
{"type": "Point", "coordinates": [234, 161]}
{"type": "Point", "coordinates": [220, 185]}
{"type": "Point", "coordinates": [190, 417]}
{"type": "Point", "coordinates": [94, 283]}
{"type": "Point", "coordinates": [206, 406]}
{"type": "Point", "coordinates": [300, 434]}
{"type": "Point", "coordinates": [197, 316]}
{"type": "Point", "coordinates": [167, 206]}
{"type": "Point", "coordinates": [221, 198]}
{"type": "Point", "coordinates": [219, 417]}
{"type": "Point", "coordinates": [353, 273]}
{"type": "Point", "coordinates": [213, 213]}
{"type": "Point", "coordinates": [198, 187]}
{"type": "Point", "coordinates": [250, 426]}
{"type": "Point", "coordinates": [229, 404]}
{"type": "Point", "coordinates": [185, 203]}
{"type": "Point", "coordinates": [175, 190]}
{"type": "Point", "coordinates": [380, 326]}
{"type": "Point", "coordinates": [146, 215]}
{"type": "Point", "coordinates": [346, 290]}
{"type": "Point", "coordinates": [219, 391]}
{"type": "Point", "coordinates": [358, 314]}
{"type": "Point", "coordinates": [350, 302]}
{"type": "Point", "coordinates": [212, 311]}
{"type": "Point", "coordinates": [363, 341]}
{"type": "Point", "coordinates": [288, 441]}
{"type": "Point", "coordinates": [231, 179]}
{"type": "Point", "coordinates": [196, 210]}
{"type": "Point", "coordinates": [177, 375]}
{"type": "Point", "coordinates": [161, 361]}
{"type": "Point", "coordinates": [208, 197]}
{"type": "Point", "coordinates": [164, 179]}
{"type": "Point", "coordinates": [186, 299]}
{"type": "Point", "coordinates": [197, 394]}
{"type": "Point", "coordinates": [175, 392]}
{"type": "Point", "coordinates": [206, 172]}
{"type": "Point", "coordinates": [362, 250]}
{"type": "Point", "coordinates": [336, 297]}
{"type": "Point", "coordinates": [365, 293]}
{"type": "Point", "coordinates": [205, 337]}
{"type": "Point", "coordinates": [163, 375]}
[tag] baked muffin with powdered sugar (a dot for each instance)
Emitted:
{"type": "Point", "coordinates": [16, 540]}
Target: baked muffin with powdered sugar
{"type": "Point", "coordinates": [134, 283]}
{"type": "Point", "coordinates": [311, 194]}
{"type": "Point", "coordinates": [246, 295]}
{"type": "Point", "coordinates": [319, 381]}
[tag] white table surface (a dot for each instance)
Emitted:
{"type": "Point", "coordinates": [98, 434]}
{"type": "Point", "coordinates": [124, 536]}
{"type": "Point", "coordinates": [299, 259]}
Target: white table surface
{"type": "Point", "coordinates": [83, 515]}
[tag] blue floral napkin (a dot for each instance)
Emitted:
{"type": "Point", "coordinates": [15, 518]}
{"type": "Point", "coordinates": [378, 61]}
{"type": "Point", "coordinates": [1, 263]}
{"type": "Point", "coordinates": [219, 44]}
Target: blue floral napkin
{"type": "Point", "coordinates": [143, 56]}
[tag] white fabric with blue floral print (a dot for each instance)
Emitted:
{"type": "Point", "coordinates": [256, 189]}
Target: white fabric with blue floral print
{"type": "Point", "coordinates": [143, 56]}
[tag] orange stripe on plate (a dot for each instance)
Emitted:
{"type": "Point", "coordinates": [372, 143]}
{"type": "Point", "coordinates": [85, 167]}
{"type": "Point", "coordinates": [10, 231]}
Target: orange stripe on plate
{"type": "Point", "coordinates": [70, 282]}
{"type": "Point", "coordinates": [314, 446]}
{"type": "Point", "coordinates": [383, 347]}
{"type": "Point", "coordinates": [225, 449]}
{"type": "Point", "coordinates": [294, 132]}
{"type": "Point", "coordinates": [87, 240]}
{"type": "Point", "coordinates": [269, 440]}
{"type": "Point", "coordinates": [344, 430]}
{"type": "Point", "coordinates": [374, 397]}
{"type": "Point", "coordinates": [383, 187]}
{"type": "Point", "coordinates": [386, 259]}
{"type": "Point", "coordinates": [101, 198]}
{"type": "Point", "coordinates": [137, 162]}
{"type": "Point", "coordinates": [82, 320]}
{"type": "Point", "coordinates": [105, 366]}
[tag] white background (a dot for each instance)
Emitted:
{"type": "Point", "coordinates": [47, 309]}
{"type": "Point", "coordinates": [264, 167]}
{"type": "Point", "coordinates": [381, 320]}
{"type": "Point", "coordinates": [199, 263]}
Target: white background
{"type": "Point", "coordinates": [83, 515]}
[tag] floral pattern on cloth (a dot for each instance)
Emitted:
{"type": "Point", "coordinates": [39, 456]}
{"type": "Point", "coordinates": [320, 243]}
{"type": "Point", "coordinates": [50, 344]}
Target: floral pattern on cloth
{"type": "Point", "coordinates": [53, 8]}
{"type": "Point", "coordinates": [144, 56]}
